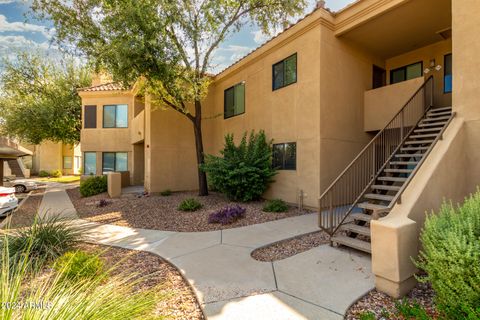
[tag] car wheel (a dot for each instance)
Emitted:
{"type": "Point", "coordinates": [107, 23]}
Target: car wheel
{"type": "Point", "coordinates": [20, 189]}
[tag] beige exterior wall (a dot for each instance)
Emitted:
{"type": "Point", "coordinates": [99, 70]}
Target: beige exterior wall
{"type": "Point", "coordinates": [101, 139]}
{"type": "Point", "coordinates": [382, 104]}
{"type": "Point", "coordinates": [435, 51]}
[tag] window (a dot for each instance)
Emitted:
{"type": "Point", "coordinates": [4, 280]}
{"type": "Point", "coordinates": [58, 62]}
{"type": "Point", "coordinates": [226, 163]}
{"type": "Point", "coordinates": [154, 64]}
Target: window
{"type": "Point", "coordinates": [90, 117]}
{"type": "Point", "coordinates": [284, 72]}
{"type": "Point", "coordinates": [285, 156]}
{"type": "Point", "coordinates": [67, 162]}
{"type": "Point", "coordinates": [90, 163]}
{"type": "Point", "coordinates": [114, 161]}
{"type": "Point", "coordinates": [78, 161]}
{"type": "Point", "coordinates": [447, 78]}
{"type": "Point", "coordinates": [234, 101]}
{"type": "Point", "coordinates": [406, 73]}
{"type": "Point", "coordinates": [115, 116]}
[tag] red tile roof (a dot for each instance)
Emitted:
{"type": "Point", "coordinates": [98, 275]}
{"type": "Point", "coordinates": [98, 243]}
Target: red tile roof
{"type": "Point", "coordinates": [112, 86]}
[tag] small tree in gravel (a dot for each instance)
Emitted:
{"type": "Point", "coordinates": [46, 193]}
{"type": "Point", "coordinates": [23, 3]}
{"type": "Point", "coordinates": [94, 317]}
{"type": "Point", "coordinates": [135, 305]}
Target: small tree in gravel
{"type": "Point", "coordinates": [242, 172]}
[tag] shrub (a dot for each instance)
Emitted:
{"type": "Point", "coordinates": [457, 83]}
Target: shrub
{"type": "Point", "coordinates": [93, 185]}
{"type": "Point", "coordinates": [276, 205]}
{"type": "Point", "coordinates": [227, 215]}
{"type": "Point", "coordinates": [44, 174]}
{"type": "Point", "coordinates": [166, 193]}
{"type": "Point", "coordinates": [242, 172]}
{"type": "Point", "coordinates": [451, 258]}
{"type": "Point", "coordinates": [91, 298]}
{"type": "Point", "coordinates": [48, 238]}
{"type": "Point", "coordinates": [56, 173]}
{"type": "Point", "coordinates": [367, 315]}
{"type": "Point", "coordinates": [78, 265]}
{"type": "Point", "coordinates": [190, 204]}
{"type": "Point", "coordinates": [411, 310]}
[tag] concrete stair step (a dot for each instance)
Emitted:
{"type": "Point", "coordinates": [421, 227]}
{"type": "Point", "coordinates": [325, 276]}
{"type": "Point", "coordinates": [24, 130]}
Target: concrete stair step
{"type": "Point", "coordinates": [440, 109]}
{"type": "Point", "coordinates": [403, 163]}
{"type": "Point", "coordinates": [409, 155]}
{"type": "Point", "coordinates": [352, 243]}
{"type": "Point", "coordinates": [435, 119]}
{"type": "Point", "coordinates": [427, 130]}
{"type": "Point", "coordinates": [413, 148]}
{"type": "Point", "coordinates": [398, 170]}
{"type": "Point", "coordinates": [420, 136]}
{"type": "Point", "coordinates": [385, 187]}
{"type": "Point", "coordinates": [434, 124]}
{"type": "Point", "coordinates": [410, 142]}
{"type": "Point", "coordinates": [375, 196]}
{"type": "Point", "coordinates": [361, 217]}
{"type": "Point", "coordinates": [394, 179]}
{"type": "Point", "coordinates": [365, 231]}
{"type": "Point", "coordinates": [439, 113]}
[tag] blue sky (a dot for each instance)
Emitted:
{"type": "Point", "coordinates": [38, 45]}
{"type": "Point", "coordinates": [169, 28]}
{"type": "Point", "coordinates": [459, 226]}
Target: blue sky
{"type": "Point", "coordinates": [20, 33]}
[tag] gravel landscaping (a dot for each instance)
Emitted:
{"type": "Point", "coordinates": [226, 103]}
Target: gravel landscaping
{"type": "Point", "coordinates": [160, 213]}
{"type": "Point", "coordinates": [384, 307]}
{"type": "Point", "coordinates": [25, 215]}
{"type": "Point", "coordinates": [179, 302]}
{"type": "Point", "coordinates": [290, 247]}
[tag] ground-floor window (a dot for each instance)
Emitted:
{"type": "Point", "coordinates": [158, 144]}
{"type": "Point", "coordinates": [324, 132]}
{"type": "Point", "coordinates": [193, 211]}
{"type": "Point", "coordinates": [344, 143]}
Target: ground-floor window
{"type": "Point", "coordinates": [114, 161]}
{"type": "Point", "coordinates": [78, 162]}
{"type": "Point", "coordinates": [285, 156]}
{"type": "Point", "coordinates": [67, 162]}
{"type": "Point", "coordinates": [90, 163]}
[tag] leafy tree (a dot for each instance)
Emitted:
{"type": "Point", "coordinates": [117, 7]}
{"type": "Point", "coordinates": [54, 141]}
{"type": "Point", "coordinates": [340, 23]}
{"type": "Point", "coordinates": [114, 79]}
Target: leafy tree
{"type": "Point", "coordinates": [169, 44]}
{"type": "Point", "coordinates": [38, 98]}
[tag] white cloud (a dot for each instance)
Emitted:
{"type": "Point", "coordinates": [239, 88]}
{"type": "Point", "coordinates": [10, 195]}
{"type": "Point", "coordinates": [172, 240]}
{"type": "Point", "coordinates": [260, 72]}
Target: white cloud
{"type": "Point", "coordinates": [226, 55]}
{"type": "Point", "coordinates": [7, 1]}
{"type": "Point", "coordinates": [6, 26]}
{"type": "Point", "coordinates": [11, 45]}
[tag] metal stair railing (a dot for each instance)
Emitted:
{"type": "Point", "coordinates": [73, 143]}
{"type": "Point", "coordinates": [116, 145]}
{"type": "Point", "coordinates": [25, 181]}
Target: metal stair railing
{"type": "Point", "coordinates": [338, 201]}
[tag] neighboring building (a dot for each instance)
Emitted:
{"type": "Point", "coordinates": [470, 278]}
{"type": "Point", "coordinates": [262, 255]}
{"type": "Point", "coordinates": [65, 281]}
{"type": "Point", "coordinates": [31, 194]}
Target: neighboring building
{"type": "Point", "coordinates": [49, 156]}
{"type": "Point", "coordinates": [322, 89]}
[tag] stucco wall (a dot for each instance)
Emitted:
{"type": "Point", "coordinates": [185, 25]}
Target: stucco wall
{"type": "Point", "coordinates": [382, 104]}
{"type": "Point", "coordinates": [289, 114]}
{"type": "Point", "coordinates": [101, 139]}
{"type": "Point", "coordinates": [435, 51]}
{"type": "Point", "coordinates": [346, 73]}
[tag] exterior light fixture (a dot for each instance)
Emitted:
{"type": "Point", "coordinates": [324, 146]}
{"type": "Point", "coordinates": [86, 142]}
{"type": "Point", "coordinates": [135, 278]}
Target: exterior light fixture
{"type": "Point", "coordinates": [432, 67]}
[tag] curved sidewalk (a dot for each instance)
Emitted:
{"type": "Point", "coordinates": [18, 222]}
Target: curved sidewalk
{"type": "Point", "coordinates": [317, 284]}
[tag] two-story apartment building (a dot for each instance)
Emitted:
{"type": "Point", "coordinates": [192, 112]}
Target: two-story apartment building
{"type": "Point", "coordinates": [322, 90]}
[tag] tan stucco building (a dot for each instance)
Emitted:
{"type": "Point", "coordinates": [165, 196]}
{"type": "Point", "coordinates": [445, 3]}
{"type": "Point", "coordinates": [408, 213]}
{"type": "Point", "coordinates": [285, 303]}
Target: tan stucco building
{"type": "Point", "coordinates": [321, 89]}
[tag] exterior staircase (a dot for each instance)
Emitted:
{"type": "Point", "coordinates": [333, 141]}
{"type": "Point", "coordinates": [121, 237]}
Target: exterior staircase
{"type": "Point", "coordinates": [15, 168]}
{"type": "Point", "coordinates": [375, 180]}
{"type": "Point", "coordinates": [387, 187]}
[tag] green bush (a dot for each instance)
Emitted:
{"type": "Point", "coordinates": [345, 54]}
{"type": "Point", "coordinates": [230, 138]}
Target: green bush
{"type": "Point", "coordinates": [189, 204]}
{"type": "Point", "coordinates": [78, 265]}
{"type": "Point", "coordinates": [275, 205]}
{"type": "Point", "coordinates": [166, 193]}
{"type": "Point", "coordinates": [411, 310]}
{"type": "Point", "coordinates": [93, 298]}
{"type": "Point", "coordinates": [367, 315]}
{"type": "Point", "coordinates": [56, 173]}
{"type": "Point", "coordinates": [242, 172]}
{"type": "Point", "coordinates": [44, 174]}
{"type": "Point", "coordinates": [93, 185]}
{"type": "Point", "coordinates": [451, 258]}
{"type": "Point", "coordinates": [48, 238]}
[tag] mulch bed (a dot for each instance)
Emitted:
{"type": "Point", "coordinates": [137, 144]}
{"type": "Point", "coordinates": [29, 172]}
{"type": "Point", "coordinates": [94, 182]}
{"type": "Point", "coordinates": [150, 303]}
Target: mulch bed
{"type": "Point", "coordinates": [153, 271]}
{"type": "Point", "coordinates": [383, 306]}
{"type": "Point", "coordinates": [290, 247]}
{"type": "Point", "coordinates": [160, 213]}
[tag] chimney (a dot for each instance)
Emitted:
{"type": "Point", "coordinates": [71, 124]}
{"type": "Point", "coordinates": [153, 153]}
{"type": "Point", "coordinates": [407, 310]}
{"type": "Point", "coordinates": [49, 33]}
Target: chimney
{"type": "Point", "coordinates": [320, 4]}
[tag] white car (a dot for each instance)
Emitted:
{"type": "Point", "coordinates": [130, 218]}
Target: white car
{"type": "Point", "coordinates": [8, 201]}
{"type": "Point", "coordinates": [21, 186]}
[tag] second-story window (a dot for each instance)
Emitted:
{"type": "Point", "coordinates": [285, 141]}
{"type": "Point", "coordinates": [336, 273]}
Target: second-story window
{"type": "Point", "coordinates": [284, 72]}
{"type": "Point", "coordinates": [405, 73]}
{"type": "Point", "coordinates": [234, 101]}
{"type": "Point", "coordinates": [115, 116]}
{"type": "Point", "coordinates": [90, 117]}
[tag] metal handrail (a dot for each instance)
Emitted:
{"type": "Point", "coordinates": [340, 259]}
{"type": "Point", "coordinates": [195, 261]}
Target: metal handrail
{"type": "Point", "coordinates": [338, 196]}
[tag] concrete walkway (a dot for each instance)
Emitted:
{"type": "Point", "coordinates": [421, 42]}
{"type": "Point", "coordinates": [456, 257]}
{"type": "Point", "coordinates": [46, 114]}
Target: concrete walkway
{"type": "Point", "coordinates": [318, 284]}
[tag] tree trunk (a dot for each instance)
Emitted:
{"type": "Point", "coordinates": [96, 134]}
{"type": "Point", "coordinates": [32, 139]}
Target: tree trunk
{"type": "Point", "coordinates": [197, 126]}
